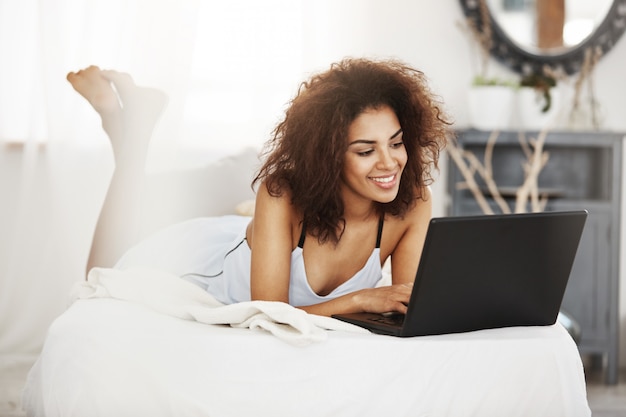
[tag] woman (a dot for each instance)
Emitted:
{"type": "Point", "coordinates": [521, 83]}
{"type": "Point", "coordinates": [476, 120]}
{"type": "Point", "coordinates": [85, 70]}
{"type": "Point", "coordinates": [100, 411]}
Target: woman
{"type": "Point", "coordinates": [343, 187]}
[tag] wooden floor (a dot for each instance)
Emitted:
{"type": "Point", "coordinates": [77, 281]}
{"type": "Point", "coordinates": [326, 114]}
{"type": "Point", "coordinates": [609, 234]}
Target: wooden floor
{"type": "Point", "coordinates": [604, 400]}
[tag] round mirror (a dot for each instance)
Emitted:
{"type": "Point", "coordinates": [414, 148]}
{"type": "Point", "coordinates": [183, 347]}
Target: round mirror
{"type": "Point", "coordinates": [529, 34]}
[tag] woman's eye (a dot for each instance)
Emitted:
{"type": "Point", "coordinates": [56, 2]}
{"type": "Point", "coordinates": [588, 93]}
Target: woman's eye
{"type": "Point", "coordinates": [365, 153]}
{"type": "Point", "coordinates": [397, 145]}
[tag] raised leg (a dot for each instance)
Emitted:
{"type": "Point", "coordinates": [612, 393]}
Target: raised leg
{"type": "Point", "coordinates": [129, 114]}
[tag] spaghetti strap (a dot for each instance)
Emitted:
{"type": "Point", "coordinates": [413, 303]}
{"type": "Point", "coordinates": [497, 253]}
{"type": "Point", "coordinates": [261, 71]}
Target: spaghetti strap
{"type": "Point", "coordinates": [379, 236]}
{"type": "Point", "coordinates": [380, 230]}
{"type": "Point", "coordinates": [302, 236]}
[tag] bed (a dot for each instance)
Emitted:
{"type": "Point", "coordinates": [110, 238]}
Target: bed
{"type": "Point", "coordinates": [140, 341]}
{"type": "Point", "coordinates": [118, 353]}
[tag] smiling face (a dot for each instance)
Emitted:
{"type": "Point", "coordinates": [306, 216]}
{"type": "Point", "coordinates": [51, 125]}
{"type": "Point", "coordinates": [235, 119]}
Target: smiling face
{"type": "Point", "coordinates": [375, 157]}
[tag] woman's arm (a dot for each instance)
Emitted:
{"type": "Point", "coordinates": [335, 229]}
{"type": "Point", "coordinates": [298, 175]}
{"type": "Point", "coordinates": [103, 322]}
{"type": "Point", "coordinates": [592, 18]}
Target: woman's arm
{"type": "Point", "coordinates": [406, 255]}
{"type": "Point", "coordinates": [271, 242]}
{"type": "Point", "coordinates": [372, 300]}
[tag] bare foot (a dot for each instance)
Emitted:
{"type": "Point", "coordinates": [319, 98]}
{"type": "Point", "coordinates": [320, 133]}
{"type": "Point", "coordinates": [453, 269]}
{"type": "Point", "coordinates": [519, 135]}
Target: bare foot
{"type": "Point", "coordinates": [90, 83]}
{"type": "Point", "coordinates": [137, 102]}
{"type": "Point", "coordinates": [128, 112]}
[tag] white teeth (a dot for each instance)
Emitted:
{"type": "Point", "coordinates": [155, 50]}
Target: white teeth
{"type": "Point", "coordinates": [383, 180]}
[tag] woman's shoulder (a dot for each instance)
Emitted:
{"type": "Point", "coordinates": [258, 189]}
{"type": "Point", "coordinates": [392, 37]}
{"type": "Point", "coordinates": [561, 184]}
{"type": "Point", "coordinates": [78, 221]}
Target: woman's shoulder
{"type": "Point", "coordinates": [275, 209]}
{"type": "Point", "coordinates": [413, 221]}
{"type": "Point", "coordinates": [418, 211]}
{"type": "Point", "coordinates": [275, 198]}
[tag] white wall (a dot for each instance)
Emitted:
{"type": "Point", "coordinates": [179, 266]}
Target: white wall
{"type": "Point", "coordinates": [424, 33]}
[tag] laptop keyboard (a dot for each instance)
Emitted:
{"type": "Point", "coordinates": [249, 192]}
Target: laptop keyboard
{"type": "Point", "coordinates": [395, 319]}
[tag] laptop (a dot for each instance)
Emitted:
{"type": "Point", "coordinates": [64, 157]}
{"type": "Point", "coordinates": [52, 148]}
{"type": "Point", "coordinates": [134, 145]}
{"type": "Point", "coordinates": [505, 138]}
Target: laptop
{"type": "Point", "coordinates": [484, 272]}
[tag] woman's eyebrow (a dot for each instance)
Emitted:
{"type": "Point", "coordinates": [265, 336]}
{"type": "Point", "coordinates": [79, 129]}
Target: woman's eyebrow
{"type": "Point", "coordinates": [362, 141]}
{"type": "Point", "coordinates": [396, 134]}
{"type": "Point", "coordinates": [371, 142]}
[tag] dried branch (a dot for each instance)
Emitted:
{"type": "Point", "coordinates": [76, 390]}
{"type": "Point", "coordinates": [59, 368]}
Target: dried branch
{"type": "Point", "coordinates": [592, 56]}
{"type": "Point", "coordinates": [456, 155]}
{"type": "Point", "coordinates": [486, 171]}
{"type": "Point", "coordinates": [521, 138]}
{"type": "Point", "coordinates": [462, 158]}
{"type": "Point", "coordinates": [593, 103]}
{"type": "Point", "coordinates": [532, 168]}
{"type": "Point", "coordinates": [469, 165]}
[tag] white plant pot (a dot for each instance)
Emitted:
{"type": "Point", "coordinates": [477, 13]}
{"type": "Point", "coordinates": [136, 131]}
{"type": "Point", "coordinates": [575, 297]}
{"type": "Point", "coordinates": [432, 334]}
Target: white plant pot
{"type": "Point", "coordinates": [529, 105]}
{"type": "Point", "coordinates": [491, 107]}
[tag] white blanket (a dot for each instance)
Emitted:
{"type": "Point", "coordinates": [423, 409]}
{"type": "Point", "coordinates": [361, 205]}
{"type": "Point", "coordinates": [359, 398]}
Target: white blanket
{"type": "Point", "coordinates": [171, 295]}
{"type": "Point", "coordinates": [107, 357]}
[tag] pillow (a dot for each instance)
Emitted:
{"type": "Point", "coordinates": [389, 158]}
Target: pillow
{"type": "Point", "coordinates": [245, 208]}
{"type": "Point", "coordinates": [212, 190]}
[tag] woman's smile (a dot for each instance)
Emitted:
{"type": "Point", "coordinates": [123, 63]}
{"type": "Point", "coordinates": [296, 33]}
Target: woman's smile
{"type": "Point", "coordinates": [385, 182]}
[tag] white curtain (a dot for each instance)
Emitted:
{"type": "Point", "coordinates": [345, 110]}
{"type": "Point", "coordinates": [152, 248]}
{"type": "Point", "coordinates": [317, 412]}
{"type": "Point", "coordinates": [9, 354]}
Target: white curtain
{"type": "Point", "coordinates": [227, 67]}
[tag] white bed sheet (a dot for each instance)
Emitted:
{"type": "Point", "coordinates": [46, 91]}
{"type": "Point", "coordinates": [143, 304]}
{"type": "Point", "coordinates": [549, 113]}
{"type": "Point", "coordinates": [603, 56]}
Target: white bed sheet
{"type": "Point", "coordinates": [108, 357]}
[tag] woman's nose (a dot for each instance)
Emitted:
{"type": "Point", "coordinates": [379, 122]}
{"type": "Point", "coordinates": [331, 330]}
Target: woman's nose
{"type": "Point", "coordinates": [385, 160]}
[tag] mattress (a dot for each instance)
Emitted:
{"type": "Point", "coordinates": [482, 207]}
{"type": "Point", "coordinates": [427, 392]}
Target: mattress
{"type": "Point", "coordinates": [112, 357]}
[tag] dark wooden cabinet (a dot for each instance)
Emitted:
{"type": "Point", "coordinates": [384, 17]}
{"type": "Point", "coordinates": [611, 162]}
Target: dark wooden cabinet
{"type": "Point", "coordinates": [584, 171]}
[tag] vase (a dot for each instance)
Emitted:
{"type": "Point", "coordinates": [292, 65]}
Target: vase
{"type": "Point", "coordinates": [530, 109]}
{"type": "Point", "coordinates": [491, 107]}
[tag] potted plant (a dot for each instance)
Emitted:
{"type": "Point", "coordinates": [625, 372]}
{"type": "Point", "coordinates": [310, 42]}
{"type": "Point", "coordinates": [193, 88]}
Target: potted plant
{"type": "Point", "coordinates": [491, 102]}
{"type": "Point", "coordinates": [537, 103]}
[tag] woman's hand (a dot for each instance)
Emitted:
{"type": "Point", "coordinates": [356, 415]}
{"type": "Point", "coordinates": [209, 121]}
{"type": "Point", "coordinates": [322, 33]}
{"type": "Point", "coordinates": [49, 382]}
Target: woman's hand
{"type": "Point", "coordinates": [384, 299]}
{"type": "Point", "coordinates": [392, 298]}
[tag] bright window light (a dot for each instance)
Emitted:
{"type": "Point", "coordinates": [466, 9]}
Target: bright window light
{"type": "Point", "coordinates": [246, 65]}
